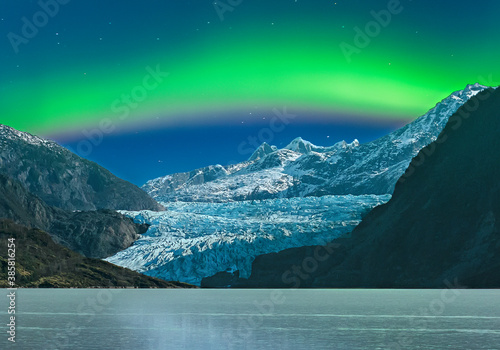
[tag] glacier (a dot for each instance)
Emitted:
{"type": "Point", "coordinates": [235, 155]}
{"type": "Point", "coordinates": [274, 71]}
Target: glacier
{"type": "Point", "coordinates": [190, 241]}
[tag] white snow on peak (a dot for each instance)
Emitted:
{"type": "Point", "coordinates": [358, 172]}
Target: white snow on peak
{"type": "Point", "coordinates": [299, 145]}
{"type": "Point", "coordinates": [8, 133]}
{"type": "Point", "coordinates": [262, 151]}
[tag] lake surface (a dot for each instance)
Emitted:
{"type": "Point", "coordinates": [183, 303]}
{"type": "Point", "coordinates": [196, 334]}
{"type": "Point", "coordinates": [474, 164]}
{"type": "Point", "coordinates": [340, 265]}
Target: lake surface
{"type": "Point", "coordinates": [254, 319]}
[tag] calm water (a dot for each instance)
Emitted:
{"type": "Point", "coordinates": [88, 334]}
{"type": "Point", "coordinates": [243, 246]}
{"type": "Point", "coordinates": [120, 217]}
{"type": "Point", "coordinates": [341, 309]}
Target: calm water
{"type": "Point", "coordinates": [255, 319]}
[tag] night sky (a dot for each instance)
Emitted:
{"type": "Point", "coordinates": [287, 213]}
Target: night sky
{"type": "Point", "coordinates": [148, 88]}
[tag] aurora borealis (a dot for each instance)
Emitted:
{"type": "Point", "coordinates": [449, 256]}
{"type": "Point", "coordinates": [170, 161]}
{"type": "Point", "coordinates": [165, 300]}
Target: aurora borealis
{"type": "Point", "coordinates": [226, 76]}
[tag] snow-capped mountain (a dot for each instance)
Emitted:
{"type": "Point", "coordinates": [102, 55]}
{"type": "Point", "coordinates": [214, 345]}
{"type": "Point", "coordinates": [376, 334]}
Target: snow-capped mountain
{"type": "Point", "coordinates": [191, 241]}
{"type": "Point", "coordinates": [10, 134]}
{"type": "Point", "coordinates": [302, 169]}
{"type": "Point", "coordinates": [64, 180]}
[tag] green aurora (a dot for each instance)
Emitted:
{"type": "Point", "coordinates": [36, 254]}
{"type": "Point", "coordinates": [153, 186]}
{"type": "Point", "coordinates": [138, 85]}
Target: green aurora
{"type": "Point", "coordinates": [249, 60]}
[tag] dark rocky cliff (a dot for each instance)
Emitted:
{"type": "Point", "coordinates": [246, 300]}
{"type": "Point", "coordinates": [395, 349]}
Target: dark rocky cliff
{"type": "Point", "coordinates": [42, 263]}
{"type": "Point", "coordinates": [96, 234]}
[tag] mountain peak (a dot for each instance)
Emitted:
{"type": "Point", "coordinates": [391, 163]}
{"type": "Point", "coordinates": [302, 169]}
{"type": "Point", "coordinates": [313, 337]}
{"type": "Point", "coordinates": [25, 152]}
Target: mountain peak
{"type": "Point", "coordinates": [475, 86]}
{"type": "Point", "coordinates": [13, 134]}
{"type": "Point", "coordinates": [300, 145]}
{"type": "Point", "coordinates": [262, 151]}
{"type": "Point", "coordinates": [469, 91]}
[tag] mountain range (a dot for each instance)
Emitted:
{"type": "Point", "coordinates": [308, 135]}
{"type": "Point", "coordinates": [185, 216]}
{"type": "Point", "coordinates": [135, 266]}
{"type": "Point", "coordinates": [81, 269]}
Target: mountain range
{"type": "Point", "coordinates": [302, 169]}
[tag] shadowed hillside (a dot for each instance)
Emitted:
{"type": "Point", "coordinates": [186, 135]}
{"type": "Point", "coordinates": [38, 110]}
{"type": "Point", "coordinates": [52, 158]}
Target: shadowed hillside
{"type": "Point", "coordinates": [41, 263]}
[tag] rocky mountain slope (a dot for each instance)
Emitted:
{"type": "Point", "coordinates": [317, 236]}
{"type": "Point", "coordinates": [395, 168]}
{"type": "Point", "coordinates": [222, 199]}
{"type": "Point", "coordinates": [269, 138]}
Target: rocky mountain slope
{"type": "Point", "coordinates": [64, 180]}
{"type": "Point", "coordinates": [41, 263]}
{"type": "Point", "coordinates": [17, 204]}
{"type": "Point", "coordinates": [96, 234]}
{"type": "Point", "coordinates": [302, 169]}
{"type": "Point", "coordinates": [440, 229]}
